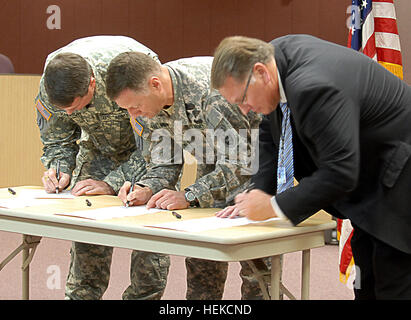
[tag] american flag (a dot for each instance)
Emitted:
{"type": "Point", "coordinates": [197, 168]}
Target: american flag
{"type": "Point", "coordinates": [374, 32]}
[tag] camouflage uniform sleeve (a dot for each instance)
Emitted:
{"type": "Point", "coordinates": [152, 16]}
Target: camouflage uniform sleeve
{"type": "Point", "coordinates": [134, 167]}
{"type": "Point", "coordinates": [163, 161]}
{"type": "Point", "coordinates": [233, 153]}
{"type": "Point", "coordinates": [58, 134]}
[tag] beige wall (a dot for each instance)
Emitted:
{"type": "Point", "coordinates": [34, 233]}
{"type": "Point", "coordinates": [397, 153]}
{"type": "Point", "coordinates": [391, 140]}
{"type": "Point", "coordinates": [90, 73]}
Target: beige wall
{"type": "Point", "coordinates": [20, 146]}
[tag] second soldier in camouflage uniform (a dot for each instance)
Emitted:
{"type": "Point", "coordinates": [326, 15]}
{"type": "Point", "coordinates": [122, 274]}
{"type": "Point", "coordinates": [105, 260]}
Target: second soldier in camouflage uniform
{"type": "Point", "coordinates": [93, 140]}
{"type": "Point", "coordinates": [176, 103]}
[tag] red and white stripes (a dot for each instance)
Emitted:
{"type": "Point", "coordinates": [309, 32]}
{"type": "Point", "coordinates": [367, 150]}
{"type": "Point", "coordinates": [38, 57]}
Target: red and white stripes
{"type": "Point", "coordinates": [381, 41]}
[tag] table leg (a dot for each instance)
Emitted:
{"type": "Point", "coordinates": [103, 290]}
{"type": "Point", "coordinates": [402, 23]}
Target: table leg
{"type": "Point", "coordinates": [29, 242]}
{"type": "Point", "coordinates": [275, 277]}
{"type": "Point", "coordinates": [305, 276]}
{"type": "Point", "coordinates": [25, 271]}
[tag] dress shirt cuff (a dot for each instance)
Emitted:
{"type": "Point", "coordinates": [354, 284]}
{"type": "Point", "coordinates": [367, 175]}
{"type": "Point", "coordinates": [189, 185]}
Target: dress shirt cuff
{"type": "Point", "coordinates": [280, 214]}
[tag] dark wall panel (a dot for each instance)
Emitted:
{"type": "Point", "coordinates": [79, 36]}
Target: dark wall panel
{"type": "Point", "coordinates": [114, 17]}
{"type": "Point", "coordinates": [142, 21]}
{"type": "Point", "coordinates": [250, 18]}
{"type": "Point", "coordinates": [196, 27]}
{"type": "Point", "coordinates": [10, 30]}
{"type": "Point", "coordinates": [223, 20]}
{"type": "Point", "coordinates": [85, 18]}
{"type": "Point", "coordinates": [168, 29]}
{"type": "Point", "coordinates": [172, 28]}
{"type": "Point", "coordinates": [278, 20]}
{"type": "Point", "coordinates": [305, 17]}
{"type": "Point", "coordinates": [332, 26]}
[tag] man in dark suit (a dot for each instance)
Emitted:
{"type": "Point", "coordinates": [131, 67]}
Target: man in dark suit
{"type": "Point", "coordinates": [351, 144]}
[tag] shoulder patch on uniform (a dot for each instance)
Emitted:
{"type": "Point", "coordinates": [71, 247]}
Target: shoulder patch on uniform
{"type": "Point", "coordinates": [43, 110]}
{"type": "Point", "coordinates": [214, 117]}
{"type": "Point", "coordinates": [138, 128]}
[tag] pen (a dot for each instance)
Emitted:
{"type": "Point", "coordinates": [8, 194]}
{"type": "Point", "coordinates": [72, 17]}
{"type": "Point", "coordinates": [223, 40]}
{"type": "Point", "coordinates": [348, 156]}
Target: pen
{"type": "Point", "coordinates": [11, 191]}
{"type": "Point", "coordinates": [250, 187]}
{"type": "Point", "coordinates": [133, 181]}
{"type": "Point", "coordinates": [58, 175]}
{"type": "Point", "coordinates": [175, 214]}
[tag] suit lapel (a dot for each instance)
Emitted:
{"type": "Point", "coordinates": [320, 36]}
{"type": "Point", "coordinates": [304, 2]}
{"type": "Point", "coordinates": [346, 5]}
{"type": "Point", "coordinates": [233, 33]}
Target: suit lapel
{"type": "Point", "coordinates": [282, 65]}
{"type": "Point", "coordinates": [275, 118]}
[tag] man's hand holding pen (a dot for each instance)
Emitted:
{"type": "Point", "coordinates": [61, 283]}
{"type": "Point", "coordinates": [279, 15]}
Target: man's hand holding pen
{"type": "Point", "coordinates": [138, 196]}
{"type": "Point", "coordinates": [50, 182]}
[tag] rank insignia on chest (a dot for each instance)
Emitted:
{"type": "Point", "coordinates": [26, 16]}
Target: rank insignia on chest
{"type": "Point", "coordinates": [137, 126]}
{"type": "Point", "coordinates": [43, 110]}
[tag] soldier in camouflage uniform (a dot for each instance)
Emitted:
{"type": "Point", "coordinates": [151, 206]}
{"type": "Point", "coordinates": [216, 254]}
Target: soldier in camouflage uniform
{"type": "Point", "coordinates": [93, 140]}
{"type": "Point", "coordinates": [174, 99]}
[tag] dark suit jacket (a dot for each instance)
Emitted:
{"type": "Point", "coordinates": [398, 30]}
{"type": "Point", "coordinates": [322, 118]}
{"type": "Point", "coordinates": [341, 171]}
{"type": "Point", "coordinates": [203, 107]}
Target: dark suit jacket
{"type": "Point", "coordinates": [351, 123]}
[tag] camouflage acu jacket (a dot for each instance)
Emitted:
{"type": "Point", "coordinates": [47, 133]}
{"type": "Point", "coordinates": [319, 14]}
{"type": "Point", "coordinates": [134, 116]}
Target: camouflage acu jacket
{"type": "Point", "coordinates": [100, 134]}
{"type": "Point", "coordinates": [206, 125]}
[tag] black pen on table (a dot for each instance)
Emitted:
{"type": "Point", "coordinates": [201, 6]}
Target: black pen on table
{"type": "Point", "coordinates": [58, 175]}
{"type": "Point", "coordinates": [133, 181]}
{"type": "Point", "coordinates": [175, 214]}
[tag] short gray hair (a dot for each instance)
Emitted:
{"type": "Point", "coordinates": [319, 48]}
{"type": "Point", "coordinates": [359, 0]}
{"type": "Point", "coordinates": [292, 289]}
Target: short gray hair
{"type": "Point", "coordinates": [235, 56]}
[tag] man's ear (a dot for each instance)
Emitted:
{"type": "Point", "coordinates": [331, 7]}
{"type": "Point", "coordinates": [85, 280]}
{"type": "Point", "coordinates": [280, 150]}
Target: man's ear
{"type": "Point", "coordinates": [92, 82]}
{"type": "Point", "coordinates": [154, 83]}
{"type": "Point", "coordinates": [261, 71]}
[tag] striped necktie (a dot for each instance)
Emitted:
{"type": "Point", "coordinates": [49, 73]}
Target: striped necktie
{"type": "Point", "coordinates": [285, 167]}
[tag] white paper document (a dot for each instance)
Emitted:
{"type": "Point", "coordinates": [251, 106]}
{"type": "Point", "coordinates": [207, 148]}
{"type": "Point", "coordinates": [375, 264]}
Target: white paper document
{"type": "Point", "coordinates": [15, 203]}
{"type": "Point", "coordinates": [32, 197]}
{"type": "Point", "coordinates": [203, 224]}
{"type": "Point", "coordinates": [42, 194]}
{"type": "Point", "coordinates": [110, 212]}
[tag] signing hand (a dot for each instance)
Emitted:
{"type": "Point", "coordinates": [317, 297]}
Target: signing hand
{"type": "Point", "coordinates": [91, 187]}
{"type": "Point", "coordinates": [168, 199]}
{"type": "Point", "coordinates": [229, 212]}
{"type": "Point", "coordinates": [255, 205]}
{"type": "Point", "coordinates": [50, 180]}
{"type": "Point", "coordinates": [139, 196]}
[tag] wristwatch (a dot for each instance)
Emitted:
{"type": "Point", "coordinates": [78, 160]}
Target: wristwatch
{"type": "Point", "coordinates": [191, 198]}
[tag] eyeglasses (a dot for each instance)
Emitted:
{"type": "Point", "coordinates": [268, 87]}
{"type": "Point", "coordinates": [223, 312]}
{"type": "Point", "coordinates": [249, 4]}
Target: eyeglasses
{"type": "Point", "coordinates": [246, 87]}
